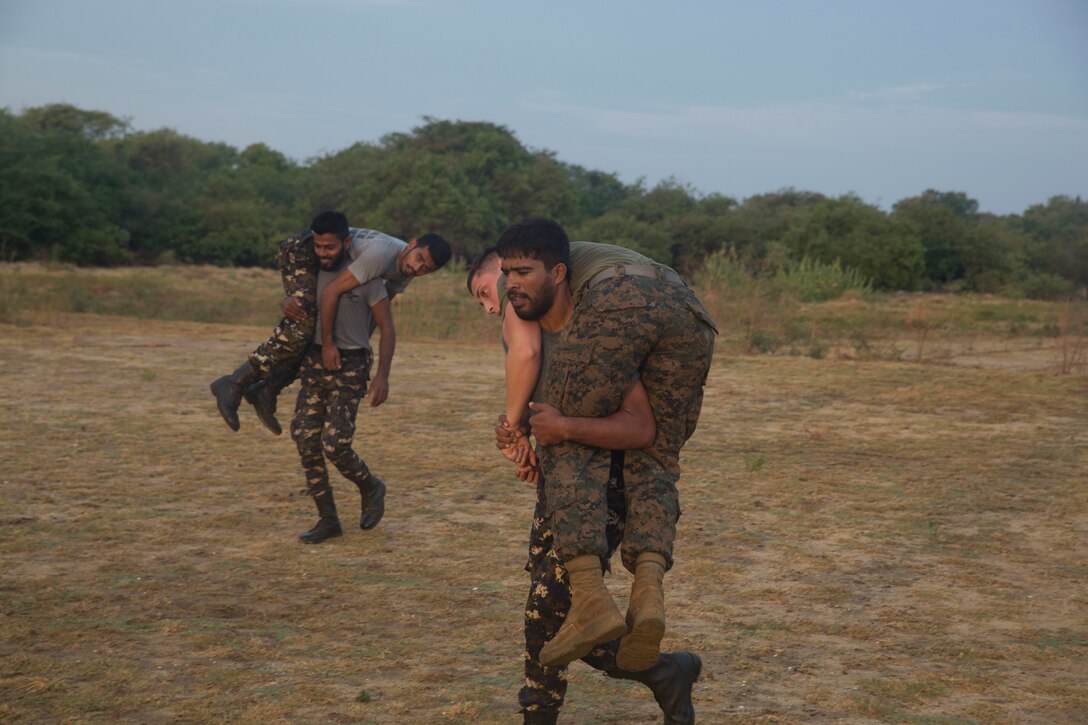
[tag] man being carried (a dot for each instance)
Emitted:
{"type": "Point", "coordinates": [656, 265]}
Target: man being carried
{"type": "Point", "coordinates": [328, 401]}
{"type": "Point", "coordinates": [274, 364]}
{"type": "Point", "coordinates": [618, 315]}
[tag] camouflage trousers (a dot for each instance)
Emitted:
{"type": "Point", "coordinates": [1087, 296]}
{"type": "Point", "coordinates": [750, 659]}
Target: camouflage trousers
{"type": "Point", "coordinates": [549, 600]}
{"type": "Point", "coordinates": [324, 423]}
{"type": "Point", "coordinates": [281, 353]}
{"type": "Point", "coordinates": [624, 327]}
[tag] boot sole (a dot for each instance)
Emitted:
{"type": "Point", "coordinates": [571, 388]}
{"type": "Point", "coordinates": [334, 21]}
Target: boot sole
{"type": "Point", "coordinates": [591, 637]}
{"type": "Point", "coordinates": [318, 541]}
{"type": "Point", "coordinates": [640, 649]}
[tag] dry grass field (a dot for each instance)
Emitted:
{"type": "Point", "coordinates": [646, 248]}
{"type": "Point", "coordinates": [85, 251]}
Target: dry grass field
{"type": "Point", "coordinates": [864, 539]}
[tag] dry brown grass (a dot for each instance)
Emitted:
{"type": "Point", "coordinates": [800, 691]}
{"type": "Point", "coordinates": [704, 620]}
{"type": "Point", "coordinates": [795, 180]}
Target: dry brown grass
{"type": "Point", "coordinates": [862, 541]}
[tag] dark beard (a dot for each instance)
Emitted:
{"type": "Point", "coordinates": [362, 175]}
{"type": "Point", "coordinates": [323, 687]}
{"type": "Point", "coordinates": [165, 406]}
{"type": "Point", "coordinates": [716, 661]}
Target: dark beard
{"type": "Point", "coordinates": [334, 264]}
{"type": "Point", "coordinates": [539, 308]}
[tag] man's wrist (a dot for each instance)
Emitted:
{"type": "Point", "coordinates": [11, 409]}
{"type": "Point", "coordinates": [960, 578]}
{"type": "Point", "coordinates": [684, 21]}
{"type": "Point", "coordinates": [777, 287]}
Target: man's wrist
{"type": "Point", "coordinates": [567, 430]}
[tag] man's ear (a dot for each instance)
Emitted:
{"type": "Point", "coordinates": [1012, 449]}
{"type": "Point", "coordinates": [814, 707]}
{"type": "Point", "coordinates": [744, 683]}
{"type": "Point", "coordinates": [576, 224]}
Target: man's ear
{"type": "Point", "coordinates": [412, 243]}
{"type": "Point", "coordinates": [559, 267]}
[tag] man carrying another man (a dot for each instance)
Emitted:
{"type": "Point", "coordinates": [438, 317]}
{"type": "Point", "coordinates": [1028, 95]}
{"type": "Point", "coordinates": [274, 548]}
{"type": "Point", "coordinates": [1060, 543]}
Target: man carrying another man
{"type": "Point", "coordinates": [361, 270]}
{"type": "Point", "coordinates": [671, 677]}
{"type": "Point", "coordinates": [618, 315]}
{"type": "Point", "coordinates": [328, 400]}
{"type": "Point", "coordinates": [372, 254]}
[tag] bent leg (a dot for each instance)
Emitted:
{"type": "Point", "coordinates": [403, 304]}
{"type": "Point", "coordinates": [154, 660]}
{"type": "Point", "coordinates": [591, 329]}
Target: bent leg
{"type": "Point", "coordinates": [281, 352]}
{"type": "Point", "coordinates": [674, 376]}
{"type": "Point", "coordinates": [612, 331]}
{"type": "Point", "coordinates": [549, 601]}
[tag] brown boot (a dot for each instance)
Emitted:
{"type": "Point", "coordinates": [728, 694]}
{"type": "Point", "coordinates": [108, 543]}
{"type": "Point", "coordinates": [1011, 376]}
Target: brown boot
{"type": "Point", "coordinates": [641, 647]}
{"type": "Point", "coordinates": [592, 619]}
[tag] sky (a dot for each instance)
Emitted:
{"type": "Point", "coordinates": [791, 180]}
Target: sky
{"type": "Point", "coordinates": [877, 98]}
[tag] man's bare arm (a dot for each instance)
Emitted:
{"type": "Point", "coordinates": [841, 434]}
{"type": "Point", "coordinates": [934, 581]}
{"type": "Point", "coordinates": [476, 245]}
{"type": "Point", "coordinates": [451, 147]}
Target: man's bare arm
{"type": "Point", "coordinates": [522, 364]}
{"type": "Point", "coordinates": [382, 314]}
{"type": "Point", "coordinates": [629, 428]}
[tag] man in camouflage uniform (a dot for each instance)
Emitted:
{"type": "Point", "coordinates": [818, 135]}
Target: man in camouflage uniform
{"type": "Point", "coordinates": [328, 401]}
{"type": "Point", "coordinates": [619, 315]}
{"type": "Point", "coordinates": [275, 363]}
{"type": "Point", "coordinates": [542, 695]}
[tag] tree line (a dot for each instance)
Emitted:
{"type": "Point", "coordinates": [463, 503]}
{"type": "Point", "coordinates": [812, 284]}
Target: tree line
{"type": "Point", "coordinates": [81, 186]}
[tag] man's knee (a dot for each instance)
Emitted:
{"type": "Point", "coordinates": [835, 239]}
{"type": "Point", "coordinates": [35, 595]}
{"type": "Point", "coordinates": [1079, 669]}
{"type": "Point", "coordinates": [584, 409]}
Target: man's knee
{"type": "Point", "coordinates": [307, 437]}
{"type": "Point", "coordinates": [340, 454]}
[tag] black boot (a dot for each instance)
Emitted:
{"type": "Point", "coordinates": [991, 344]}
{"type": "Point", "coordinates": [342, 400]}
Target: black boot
{"type": "Point", "coordinates": [263, 395]}
{"type": "Point", "coordinates": [328, 525]}
{"type": "Point", "coordinates": [373, 503]}
{"type": "Point", "coordinates": [670, 680]}
{"type": "Point", "coordinates": [228, 392]}
{"type": "Point", "coordinates": [541, 717]}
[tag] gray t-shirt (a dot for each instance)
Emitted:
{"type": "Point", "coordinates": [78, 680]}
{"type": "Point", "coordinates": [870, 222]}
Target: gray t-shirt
{"type": "Point", "coordinates": [352, 328]}
{"type": "Point", "coordinates": [374, 255]}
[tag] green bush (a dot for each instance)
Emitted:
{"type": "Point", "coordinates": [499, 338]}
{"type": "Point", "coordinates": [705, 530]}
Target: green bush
{"type": "Point", "coordinates": [1040, 286]}
{"type": "Point", "coordinates": [812, 281]}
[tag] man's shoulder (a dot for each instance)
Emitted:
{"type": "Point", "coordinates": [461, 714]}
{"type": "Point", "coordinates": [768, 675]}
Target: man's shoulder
{"type": "Point", "coordinates": [364, 237]}
{"type": "Point", "coordinates": [374, 253]}
{"type": "Point", "coordinates": [602, 251]}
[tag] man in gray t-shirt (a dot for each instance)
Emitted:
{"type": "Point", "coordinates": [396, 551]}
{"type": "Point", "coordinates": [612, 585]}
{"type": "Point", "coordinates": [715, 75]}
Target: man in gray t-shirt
{"type": "Point", "coordinates": [328, 401]}
{"type": "Point", "coordinates": [373, 254]}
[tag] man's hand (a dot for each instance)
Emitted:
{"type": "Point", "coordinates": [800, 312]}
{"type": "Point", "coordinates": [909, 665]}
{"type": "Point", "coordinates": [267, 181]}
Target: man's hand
{"type": "Point", "coordinates": [529, 474]}
{"type": "Point", "coordinates": [549, 425]}
{"type": "Point", "coordinates": [377, 391]}
{"type": "Point", "coordinates": [330, 357]}
{"type": "Point", "coordinates": [505, 436]}
{"type": "Point", "coordinates": [514, 444]}
{"type": "Point", "coordinates": [292, 309]}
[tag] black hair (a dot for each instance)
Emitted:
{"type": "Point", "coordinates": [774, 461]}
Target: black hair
{"type": "Point", "coordinates": [478, 263]}
{"type": "Point", "coordinates": [536, 238]}
{"type": "Point", "coordinates": [437, 246]}
{"type": "Point", "coordinates": [330, 222]}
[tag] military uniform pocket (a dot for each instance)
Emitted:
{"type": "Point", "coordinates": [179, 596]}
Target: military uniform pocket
{"type": "Point", "coordinates": [700, 312]}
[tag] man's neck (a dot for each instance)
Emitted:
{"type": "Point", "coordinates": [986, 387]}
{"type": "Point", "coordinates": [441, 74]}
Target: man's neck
{"type": "Point", "coordinates": [556, 318]}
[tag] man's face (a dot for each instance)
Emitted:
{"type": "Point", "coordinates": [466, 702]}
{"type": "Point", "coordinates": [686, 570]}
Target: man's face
{"type": "Point", "coordinates": [530, 288]}
{"type": "Point", "coordinates": [415, 261]}
{"type": "Point", "coordinates": [330, 250]}
{"type": "Point", "coordinates": [485, 288]}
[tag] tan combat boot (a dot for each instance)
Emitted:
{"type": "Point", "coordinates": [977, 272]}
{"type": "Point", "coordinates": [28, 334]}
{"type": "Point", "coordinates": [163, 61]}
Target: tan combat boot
{"type": "Point", "coordinates": [641, 647]}
{"type": "Point", "coordinates": [592, 619]}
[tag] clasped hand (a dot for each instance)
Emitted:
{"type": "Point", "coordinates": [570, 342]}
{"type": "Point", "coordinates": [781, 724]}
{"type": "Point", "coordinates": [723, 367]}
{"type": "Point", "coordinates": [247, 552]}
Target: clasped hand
{"type": "Point", "coordinates": [514, 444]}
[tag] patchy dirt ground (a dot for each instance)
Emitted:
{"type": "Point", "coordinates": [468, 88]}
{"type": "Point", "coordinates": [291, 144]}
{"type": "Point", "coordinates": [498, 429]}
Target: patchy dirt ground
{"type": "Point", "coordinates": [861, 542]}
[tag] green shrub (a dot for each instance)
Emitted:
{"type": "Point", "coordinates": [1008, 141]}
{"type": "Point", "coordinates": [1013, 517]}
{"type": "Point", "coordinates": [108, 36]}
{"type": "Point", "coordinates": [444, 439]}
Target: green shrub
{"type": "Point", "coordinates": [1040, 286]}
{"type": "Point", "coordinates": [812, 281]}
